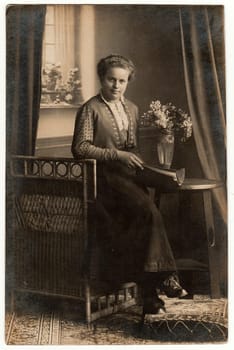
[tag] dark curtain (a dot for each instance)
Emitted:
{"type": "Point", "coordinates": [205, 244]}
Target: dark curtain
{"type": "Point", "coordinates": [203, 51]}
{"type": "Point", "coordinates": [202, 37]}
{"type": "Point", "coordinates": [24, 34]}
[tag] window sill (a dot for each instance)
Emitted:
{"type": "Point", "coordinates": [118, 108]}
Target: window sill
{"type": "Point", "coordinates": [59, 106]}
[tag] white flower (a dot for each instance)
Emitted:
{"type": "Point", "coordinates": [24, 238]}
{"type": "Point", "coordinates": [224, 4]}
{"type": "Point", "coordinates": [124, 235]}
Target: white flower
{"type": "Point", "coordinates": [168, 118]}
{"type": "Point", "coordinates": [68, 97]}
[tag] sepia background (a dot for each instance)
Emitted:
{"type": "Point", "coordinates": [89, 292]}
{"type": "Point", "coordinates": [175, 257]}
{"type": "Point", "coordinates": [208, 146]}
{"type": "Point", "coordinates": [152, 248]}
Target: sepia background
{"type": "Point", "coordinates": [179, 53]}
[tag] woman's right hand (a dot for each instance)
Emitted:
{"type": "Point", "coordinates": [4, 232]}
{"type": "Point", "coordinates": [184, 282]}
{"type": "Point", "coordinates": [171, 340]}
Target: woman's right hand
{"type": "Point", "coordinates": [130, 159]}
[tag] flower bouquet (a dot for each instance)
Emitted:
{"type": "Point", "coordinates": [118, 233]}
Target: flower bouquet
{"type": "Point", "coordinates": [51, 77]}
{"type": "Point", "coordinates": [168, 119]}
{"type": "Point", "coordinates": [55, 91]}
{"type": "Point", "coordinates": [171, 122]}
{"type": "Point", "coordinates": [73, 86]}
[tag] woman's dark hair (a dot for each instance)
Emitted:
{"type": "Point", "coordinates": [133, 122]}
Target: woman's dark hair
{"type": "Point", "coordinates": [115, 61]}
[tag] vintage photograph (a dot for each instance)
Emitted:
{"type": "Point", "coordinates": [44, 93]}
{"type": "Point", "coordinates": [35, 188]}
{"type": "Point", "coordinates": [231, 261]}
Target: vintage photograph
{"type": "Point", "coordinates": [116, 175]}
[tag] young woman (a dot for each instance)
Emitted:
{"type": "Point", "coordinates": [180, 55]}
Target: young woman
{"type": "Point", "coordinates": [131, 232]}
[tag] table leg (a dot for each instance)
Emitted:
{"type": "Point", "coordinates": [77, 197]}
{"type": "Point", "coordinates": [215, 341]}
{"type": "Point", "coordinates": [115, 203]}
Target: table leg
{"type": "Point", "coordinates": [213, 253]}
{"type": "Point", "coordinates": [184, 219]}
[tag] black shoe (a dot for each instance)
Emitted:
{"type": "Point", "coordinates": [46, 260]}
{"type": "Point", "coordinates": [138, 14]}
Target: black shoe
{"type": "Point", "coordinates": [172, 288]}
{"type": "Point", "coordinates": [153, 306]}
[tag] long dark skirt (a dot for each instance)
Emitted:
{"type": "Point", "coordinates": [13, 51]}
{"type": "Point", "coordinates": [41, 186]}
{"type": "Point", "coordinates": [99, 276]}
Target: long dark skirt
{"type": "Point", "coordinates": [130, 235]}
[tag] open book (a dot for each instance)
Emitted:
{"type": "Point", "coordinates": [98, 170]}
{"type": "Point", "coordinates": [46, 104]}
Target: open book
{"type": "Point", "coordinates": [155, 176]}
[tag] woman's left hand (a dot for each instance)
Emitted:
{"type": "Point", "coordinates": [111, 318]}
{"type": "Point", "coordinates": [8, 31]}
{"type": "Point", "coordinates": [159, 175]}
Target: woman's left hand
{"type": "Point", "coordinates": [130, 159]}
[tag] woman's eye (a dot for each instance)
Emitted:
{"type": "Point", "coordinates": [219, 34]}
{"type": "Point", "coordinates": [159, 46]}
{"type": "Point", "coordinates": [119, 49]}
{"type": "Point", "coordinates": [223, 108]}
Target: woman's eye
{"type": "Point", "coordinates": [112, 80]}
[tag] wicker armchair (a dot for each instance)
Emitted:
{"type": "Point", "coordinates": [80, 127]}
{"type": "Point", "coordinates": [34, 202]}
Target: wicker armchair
{"type": "Point", "coordinates": [54, 216]}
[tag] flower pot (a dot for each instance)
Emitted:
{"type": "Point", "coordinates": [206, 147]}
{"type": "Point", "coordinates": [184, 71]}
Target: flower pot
{"type": "Point", "coordinates": [165, 149]}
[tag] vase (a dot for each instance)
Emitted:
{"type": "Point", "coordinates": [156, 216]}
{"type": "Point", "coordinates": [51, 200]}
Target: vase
{"type": "Point", "coordinates": [165, 149]}
{"type": "Point", "coordinates": [77, 99]}
{"type": "Point", "coordinates": [51, 85]}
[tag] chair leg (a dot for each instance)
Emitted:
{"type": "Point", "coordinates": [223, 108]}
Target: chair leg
{"type": "Point", "coordinates": [135, 292]}
{"type": "Point", "coordinates": [87, 304]}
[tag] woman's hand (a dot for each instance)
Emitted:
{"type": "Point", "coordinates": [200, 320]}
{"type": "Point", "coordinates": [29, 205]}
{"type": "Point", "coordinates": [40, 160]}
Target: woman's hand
{"type": "Point", "coordinates": [130, 159]}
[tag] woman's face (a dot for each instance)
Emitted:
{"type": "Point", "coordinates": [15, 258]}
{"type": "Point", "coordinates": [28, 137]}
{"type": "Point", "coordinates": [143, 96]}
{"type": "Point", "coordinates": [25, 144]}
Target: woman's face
{"type": "Point", "coordinates": [115, 83]}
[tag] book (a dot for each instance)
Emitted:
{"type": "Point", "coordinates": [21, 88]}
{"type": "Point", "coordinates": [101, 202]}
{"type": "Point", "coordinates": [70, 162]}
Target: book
{"type": "Point", "coordinates": [156, 176]}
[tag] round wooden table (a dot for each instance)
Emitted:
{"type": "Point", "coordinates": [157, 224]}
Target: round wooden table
{"type": "Point", "coordinates": [196, 184]}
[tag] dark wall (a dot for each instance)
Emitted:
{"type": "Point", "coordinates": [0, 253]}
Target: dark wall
{"type": "Point", "coordinates": [150, 36]}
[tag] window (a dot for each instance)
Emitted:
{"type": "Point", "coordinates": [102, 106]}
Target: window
{"type": "Point", "coordinates": [49, 36]}
{"type": "Point", "coordinates": [61, 83]}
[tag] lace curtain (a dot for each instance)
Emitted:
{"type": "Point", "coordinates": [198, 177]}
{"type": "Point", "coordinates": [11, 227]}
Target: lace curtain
{"type": "Point", "coordinates": [64, 18]}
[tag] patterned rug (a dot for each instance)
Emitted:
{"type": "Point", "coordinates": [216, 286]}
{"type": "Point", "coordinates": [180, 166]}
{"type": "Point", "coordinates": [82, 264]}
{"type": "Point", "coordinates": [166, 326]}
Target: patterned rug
{"type": "Point", "coordinates": [186, 321]}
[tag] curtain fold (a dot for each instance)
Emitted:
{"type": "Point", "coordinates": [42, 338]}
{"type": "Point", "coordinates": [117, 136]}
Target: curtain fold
{"type": "Point", "coordinates": [24, 34]}
{"type": "Point", "coordinates": [86, 45]}
{"type": "Point", "coordinates": [24, 31]}
{"type": "Point", "coordinates": [201, 34]}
